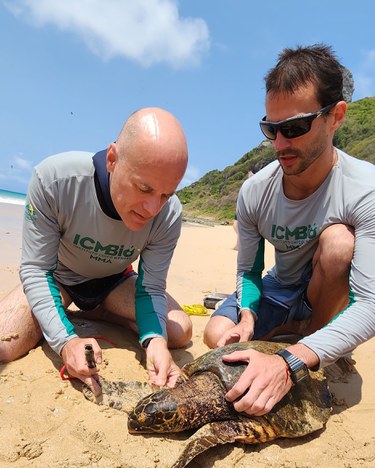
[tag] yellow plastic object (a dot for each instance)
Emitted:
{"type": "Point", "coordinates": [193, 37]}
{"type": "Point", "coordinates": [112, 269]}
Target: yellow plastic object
{"type": "Point", "coordinates": [195, 309]}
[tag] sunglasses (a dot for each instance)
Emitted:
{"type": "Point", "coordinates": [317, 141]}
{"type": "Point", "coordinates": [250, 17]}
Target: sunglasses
{"type": "Point", "coordinates": [292, 127]}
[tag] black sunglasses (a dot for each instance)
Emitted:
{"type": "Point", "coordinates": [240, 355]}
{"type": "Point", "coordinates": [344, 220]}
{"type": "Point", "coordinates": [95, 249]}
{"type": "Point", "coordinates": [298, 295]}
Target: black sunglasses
{"type": "Point", "coordinates": [294, 126]}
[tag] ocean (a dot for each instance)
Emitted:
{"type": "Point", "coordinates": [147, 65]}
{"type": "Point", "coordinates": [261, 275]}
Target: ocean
{"type": "Point", "coordinates": [15, 198]}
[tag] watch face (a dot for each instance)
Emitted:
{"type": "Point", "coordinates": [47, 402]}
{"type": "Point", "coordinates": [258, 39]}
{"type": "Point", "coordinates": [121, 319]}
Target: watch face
{"type": "Point", "coordinates": [298, 369]}
{"type": "Point", "coordinates": [300, 374]}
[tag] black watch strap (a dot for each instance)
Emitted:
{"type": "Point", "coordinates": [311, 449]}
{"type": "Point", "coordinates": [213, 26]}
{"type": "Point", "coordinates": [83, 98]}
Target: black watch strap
{"type": "Point", "coordinates": [298, 369]}
{"type": "Point", "coordinates": [146, 342]}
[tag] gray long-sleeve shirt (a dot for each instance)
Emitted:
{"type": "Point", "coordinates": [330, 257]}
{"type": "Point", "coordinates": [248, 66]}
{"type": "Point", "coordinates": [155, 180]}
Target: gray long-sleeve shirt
{"type": "Point", "coordinates": [293, 227]}
{"type": "Point", "coordinates": [68, 238]}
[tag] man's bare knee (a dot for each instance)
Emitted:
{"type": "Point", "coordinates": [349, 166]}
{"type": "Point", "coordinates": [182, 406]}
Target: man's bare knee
{"type": "Point", "coordinates": [210, 339]}
{"type": "Point", "coordinates": [180, 329]}
{"type": "Point", "coordinates": [16, 344]}
{"type": "Point", "coordinates": [179, 341]}
{"type": "Point", "coordinates": [215, 329]}
{"type": "Point", "coordinates": [19, 329]}
{"type": "Point", "coordinates": [10, 352]}
{"type": "Point", "coordinates": [336, 248]}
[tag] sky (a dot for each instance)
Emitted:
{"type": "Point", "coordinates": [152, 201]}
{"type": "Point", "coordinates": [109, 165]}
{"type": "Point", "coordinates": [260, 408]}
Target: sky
{"type": "Point", "coordinates": [72, 71]}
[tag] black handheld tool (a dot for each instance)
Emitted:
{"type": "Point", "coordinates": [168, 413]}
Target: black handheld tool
{"type": "Point", "coordinates": [89, 353]}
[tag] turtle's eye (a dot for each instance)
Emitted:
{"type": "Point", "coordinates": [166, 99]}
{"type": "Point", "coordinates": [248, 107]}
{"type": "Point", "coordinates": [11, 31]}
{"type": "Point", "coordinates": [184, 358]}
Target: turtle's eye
{"type": "Point", "coordinates": [150, 414]}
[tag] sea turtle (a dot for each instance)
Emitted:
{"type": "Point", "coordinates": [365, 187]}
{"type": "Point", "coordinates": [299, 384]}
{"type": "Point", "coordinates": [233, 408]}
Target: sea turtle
{"type": "Point", "coordinates": [197, 401]}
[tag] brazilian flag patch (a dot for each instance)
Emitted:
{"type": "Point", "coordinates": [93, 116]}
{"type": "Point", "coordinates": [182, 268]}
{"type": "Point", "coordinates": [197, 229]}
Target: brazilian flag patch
{"type": "Point", "coordinates": [30, 214]}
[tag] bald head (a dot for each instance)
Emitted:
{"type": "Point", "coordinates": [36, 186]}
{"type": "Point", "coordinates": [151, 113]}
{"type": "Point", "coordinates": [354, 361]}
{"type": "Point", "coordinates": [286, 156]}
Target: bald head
{"type": "Point", "coordinates": [146, 164]}
{"type": "Point", "coordinates": [153, 136]}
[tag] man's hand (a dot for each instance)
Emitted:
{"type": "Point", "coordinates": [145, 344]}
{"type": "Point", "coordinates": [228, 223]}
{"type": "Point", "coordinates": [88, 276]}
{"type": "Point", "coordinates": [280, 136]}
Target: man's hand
{"type": "Point", "coordinates": [73, 354]}
{"type": "Point", "coordinates": [263, 383]}
{"type": "Point", "coordinates": [243, 331]}
{"type": "Point", "coordinates": [161, 368]}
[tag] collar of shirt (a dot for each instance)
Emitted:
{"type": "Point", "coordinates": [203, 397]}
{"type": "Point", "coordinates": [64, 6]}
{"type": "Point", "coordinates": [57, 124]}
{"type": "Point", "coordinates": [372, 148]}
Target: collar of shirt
{"type": "Point", "coordinates": [101, 179]}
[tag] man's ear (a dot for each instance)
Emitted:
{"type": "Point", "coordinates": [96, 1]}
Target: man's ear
{"type": "Point", "coordinates": [339, 112]}
{"type": "Point", "coordinates": [111, 157]}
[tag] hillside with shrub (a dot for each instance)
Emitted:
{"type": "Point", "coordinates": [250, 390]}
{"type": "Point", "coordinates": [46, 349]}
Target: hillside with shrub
{"type": "Point", "coordinates": [213, 196]}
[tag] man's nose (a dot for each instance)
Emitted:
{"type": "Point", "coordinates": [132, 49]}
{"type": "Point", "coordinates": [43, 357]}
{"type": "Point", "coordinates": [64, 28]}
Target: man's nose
{"type": "Point", "coordinates": [152, 205]}
{"type": "Point", "coordinates": [281, 143]}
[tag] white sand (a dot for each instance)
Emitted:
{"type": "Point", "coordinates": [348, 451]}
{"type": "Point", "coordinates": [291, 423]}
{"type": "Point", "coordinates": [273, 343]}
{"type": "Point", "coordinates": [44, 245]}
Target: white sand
{"type": "Point", "coordinates": [47, 422]}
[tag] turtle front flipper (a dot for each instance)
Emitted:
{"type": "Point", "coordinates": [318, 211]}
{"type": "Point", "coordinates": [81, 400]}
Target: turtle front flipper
{"type": "Point", "coordinates": [122, 396]}
{"type": "Point", "coordinates": [245, 430]}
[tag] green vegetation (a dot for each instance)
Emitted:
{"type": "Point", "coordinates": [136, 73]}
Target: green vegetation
{"type": "Point", "coordinates": [357, 134]}
{"type": "Point", "coordinates": [213, 197]}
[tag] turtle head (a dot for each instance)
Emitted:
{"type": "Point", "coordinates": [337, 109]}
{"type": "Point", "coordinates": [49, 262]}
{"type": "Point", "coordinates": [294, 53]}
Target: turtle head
{"type": "Point", "coordinates": [158, 412]}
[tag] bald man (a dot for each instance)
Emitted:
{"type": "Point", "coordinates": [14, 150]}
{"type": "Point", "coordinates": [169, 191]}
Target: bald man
{"type": "Point", "coordinates": [87, 219]}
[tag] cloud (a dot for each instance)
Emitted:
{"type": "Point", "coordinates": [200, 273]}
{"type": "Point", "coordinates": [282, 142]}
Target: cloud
{"type": "Point", "coordinates": [22, 164]}
{"type": "Point", "coordinates": [146, 31]}
{"type": "Point", "coordinates": [364, 80]}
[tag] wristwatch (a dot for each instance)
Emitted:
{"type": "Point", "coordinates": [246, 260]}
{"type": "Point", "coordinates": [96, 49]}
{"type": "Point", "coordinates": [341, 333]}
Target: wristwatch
{"type": "Point", "coordinates": [297, 368]}
{"type": "Point", "coordinates": [146, 342]}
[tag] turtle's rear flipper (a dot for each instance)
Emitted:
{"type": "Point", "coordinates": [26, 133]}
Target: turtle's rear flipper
{"type": "Point", "coordinates": [119, 395]}
{"type": "Point", "coordinates": [245, 430]}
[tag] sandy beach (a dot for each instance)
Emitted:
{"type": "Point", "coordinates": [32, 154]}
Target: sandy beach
{"type": "Point", "coordinates": [47, 422]}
